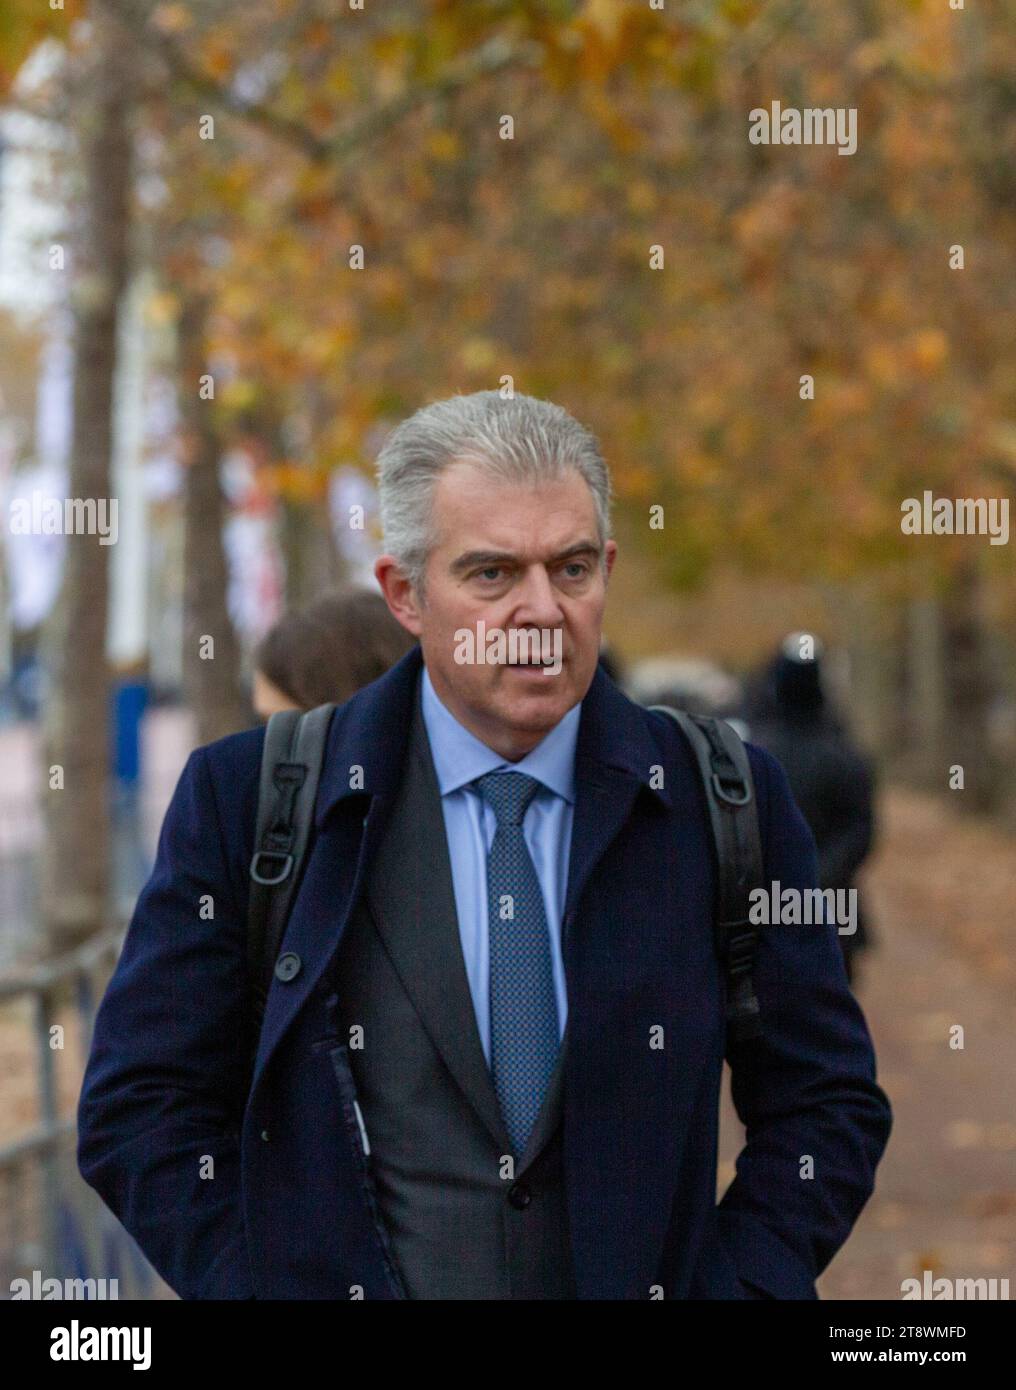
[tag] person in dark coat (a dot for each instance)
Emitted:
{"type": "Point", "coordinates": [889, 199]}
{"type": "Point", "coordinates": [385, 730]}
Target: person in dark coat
{"type": "Point", "coordinates": [493, 1047]}
{"type": "Point", "coordinates": [832, 782]}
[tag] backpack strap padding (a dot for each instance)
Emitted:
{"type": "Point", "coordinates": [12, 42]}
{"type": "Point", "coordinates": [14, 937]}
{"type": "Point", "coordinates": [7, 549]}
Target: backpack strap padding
{"type": "Point", "coordinates": [291, 762]}
{"type": "Point", "coordinates": [730, 796]}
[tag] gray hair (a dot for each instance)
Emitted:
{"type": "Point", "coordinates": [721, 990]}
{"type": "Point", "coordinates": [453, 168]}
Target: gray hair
{"type": "Point", "coordinates": [518, 439]}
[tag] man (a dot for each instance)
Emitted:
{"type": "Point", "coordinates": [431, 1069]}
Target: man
{"type": "Point", "coordinates": [493, 1046]}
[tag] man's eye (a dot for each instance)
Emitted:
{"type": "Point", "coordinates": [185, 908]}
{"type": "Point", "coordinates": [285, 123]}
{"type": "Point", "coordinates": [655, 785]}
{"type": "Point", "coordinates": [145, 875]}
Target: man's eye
{"type": "Point", "coordinates": [576, 569]}
{"type": "Point", "coordinates": [491, 572]}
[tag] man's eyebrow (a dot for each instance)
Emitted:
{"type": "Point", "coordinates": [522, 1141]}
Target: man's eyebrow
{"type": "Point", "coordinates": [480, 559]}
{"type": "Point", "coordinates": [472, 558]}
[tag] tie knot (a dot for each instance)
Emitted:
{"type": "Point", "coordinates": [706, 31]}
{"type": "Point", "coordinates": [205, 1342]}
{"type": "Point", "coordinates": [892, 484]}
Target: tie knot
{"type": "Point", "coordinates": [508, 794]}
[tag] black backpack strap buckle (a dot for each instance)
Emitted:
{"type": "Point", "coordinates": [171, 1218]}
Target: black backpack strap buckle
{"type": "Point", "coordinates": [730, 777]}
{"type": "Point", "coordinates": [263, 875]}
{"type": "Point", "coordinates": [723, 781]}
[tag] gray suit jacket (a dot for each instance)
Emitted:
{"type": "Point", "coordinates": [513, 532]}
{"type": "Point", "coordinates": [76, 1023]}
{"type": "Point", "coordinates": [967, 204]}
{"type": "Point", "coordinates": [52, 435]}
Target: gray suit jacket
{"type": "Point", "coordinates": [460, 1219]}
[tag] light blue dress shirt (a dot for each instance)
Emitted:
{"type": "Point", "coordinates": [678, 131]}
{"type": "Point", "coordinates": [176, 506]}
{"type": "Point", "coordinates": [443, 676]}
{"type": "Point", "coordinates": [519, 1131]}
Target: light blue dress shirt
{"type": "Point", "coordinates": [459, 758]}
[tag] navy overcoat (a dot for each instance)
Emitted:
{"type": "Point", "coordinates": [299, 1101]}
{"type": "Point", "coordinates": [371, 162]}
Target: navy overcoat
{"type": "Point", "coordinates": [266, 1195]}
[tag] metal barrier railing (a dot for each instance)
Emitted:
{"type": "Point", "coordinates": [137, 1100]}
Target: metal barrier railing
{"type": "Point", "coordinates": [52, 1225]}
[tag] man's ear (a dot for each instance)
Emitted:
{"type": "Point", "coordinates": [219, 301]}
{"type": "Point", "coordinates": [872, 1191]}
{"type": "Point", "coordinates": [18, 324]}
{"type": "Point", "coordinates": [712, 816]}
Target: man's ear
{"type": "Point", "coordinates": [399, 594]}
{"type": "Point", "coordinates": [610, 555]}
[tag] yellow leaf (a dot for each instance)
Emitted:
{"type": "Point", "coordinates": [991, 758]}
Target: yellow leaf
{"type": "Point", "coordinates": [605, 16]}
{"type": "Point", "coordinates": [476, 354]}
{"type": "Point", "coordinates": [930, 348]}
{"type": "Point", "coordinates": [218, 60]}
{"type": "Point", "coordinates": [443, 144]}
{"type": "Point", "coordinates": [641, 196]}
{"type": "Point", "coordinates": [161, 308]}
{"type": "Point", "coordinates": [239, 394]}
{"type": "Point", "coordinates": [171, 19]}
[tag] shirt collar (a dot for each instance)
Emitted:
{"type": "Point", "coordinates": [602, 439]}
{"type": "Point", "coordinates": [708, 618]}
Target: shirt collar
{"type": "Point", "coordinates": [460, 757]}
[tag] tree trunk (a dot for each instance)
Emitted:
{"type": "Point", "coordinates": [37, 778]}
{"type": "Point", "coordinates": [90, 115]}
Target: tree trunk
{"type": "Point", "coordinates": [211, 660]}
{"type": "Point", "coordinates": [927, 689]}
{"type": "Point", "coordinates": [872, 705]}
{"type": "Point", "coordinates": [76, 860]}
{"type": "Point", "coordinates": [310, 556]}
{"type": "Point", "coordinates": [312, 561]}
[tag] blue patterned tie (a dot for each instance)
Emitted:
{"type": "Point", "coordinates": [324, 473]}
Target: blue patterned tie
{"type": "Point", "coordinates": [524, 1037]}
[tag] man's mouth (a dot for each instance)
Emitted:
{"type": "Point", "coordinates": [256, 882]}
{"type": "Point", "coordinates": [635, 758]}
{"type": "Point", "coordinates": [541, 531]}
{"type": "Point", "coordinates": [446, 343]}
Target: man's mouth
{"type": "Point", "coordinates": [545, 667]}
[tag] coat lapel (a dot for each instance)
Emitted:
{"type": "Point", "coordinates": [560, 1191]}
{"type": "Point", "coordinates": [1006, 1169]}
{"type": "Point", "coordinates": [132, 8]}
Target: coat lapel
{"type": "Point", "coordinates": [614, 760]}
{"type": "Point", "coordinates": [411, 899]}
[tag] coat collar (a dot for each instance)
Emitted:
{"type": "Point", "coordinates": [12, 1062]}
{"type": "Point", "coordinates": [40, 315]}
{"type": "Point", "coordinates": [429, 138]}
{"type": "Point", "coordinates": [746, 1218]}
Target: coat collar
{"type": "Point", "coordinates": [371, 730]}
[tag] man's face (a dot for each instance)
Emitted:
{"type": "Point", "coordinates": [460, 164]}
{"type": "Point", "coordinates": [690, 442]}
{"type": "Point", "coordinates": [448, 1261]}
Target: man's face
{"type": "Point", "coordinates": [508, 557]}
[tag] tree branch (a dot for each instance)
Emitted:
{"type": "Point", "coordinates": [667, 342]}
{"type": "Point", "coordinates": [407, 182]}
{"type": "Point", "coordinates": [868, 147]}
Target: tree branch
{"type": "Point", "coordinates": [496, 55]}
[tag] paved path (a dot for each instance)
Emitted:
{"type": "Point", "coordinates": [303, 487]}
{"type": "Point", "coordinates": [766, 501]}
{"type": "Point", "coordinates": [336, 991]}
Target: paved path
{"type": "Point", "coordinates": [943, 896]}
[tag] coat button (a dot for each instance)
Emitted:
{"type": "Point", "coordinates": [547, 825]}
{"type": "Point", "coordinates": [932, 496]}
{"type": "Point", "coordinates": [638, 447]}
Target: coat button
{"type": "Point", "coordinates": [519, 1195]}
{"type": "Point", "coordinates": [287, 967]}
{"type": "Point", "coordinates": [264, 1135]}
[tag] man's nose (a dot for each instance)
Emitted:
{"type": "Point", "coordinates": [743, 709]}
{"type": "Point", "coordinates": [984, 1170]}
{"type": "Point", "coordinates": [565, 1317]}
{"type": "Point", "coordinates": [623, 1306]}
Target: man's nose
{"type": "Point", "coordinates": [537, 602]}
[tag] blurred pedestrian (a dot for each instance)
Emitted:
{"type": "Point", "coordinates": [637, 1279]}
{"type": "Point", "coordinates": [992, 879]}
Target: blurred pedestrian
{"type": "Point", "coordinates": [792, 715]}
{"type": "Point", "coordinates": [691, 684]}
{"type": "Point", "coordinates": [327, 650]}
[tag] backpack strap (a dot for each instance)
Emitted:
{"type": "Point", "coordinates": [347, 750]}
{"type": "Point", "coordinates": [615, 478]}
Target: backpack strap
{"type": "Point", "coordinates": [290, 770]}
{"type": "Point", "coordinates": [733, 815]}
